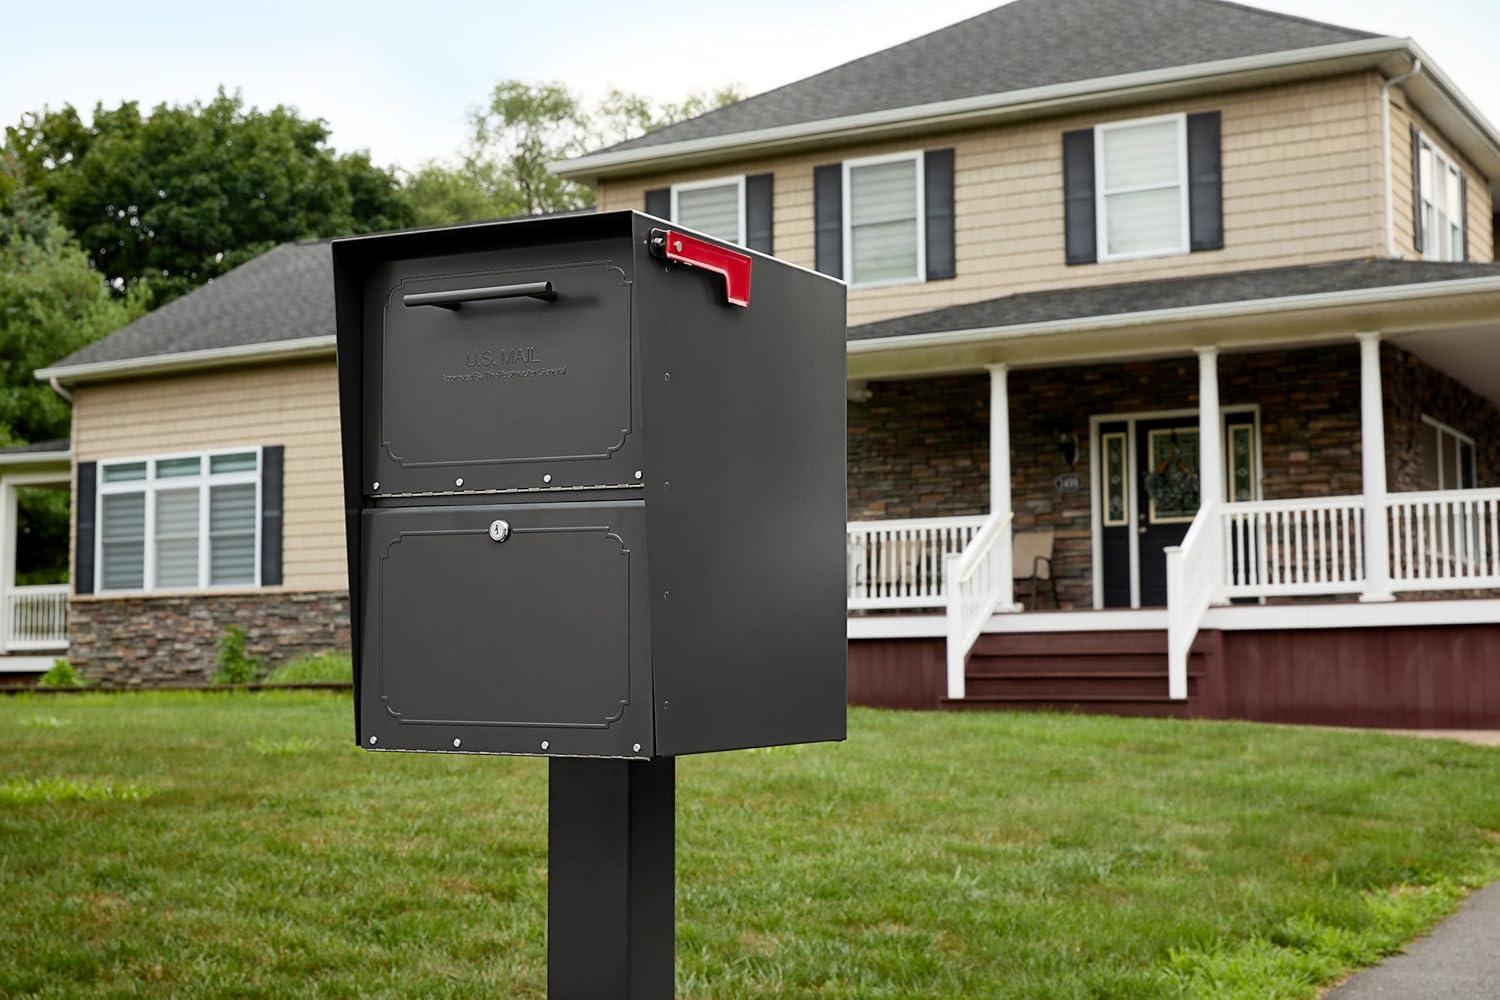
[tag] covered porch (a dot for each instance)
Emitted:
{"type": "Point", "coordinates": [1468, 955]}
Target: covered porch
{"type": "Point", "coordinates": [1304, 479]}
{"type": "Point", "coordinates": [35, 481]}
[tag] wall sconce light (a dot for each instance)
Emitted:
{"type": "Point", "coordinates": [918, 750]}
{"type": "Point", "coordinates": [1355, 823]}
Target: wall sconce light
{"type": "Point", "coordinates": [1067, 446]}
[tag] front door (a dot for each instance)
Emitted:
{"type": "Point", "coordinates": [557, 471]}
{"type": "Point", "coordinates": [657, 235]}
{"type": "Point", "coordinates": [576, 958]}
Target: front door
{"type": "Point", "coordinates": [1149, 494]}
{"type": "Point", "coordinates": [1166, 489]}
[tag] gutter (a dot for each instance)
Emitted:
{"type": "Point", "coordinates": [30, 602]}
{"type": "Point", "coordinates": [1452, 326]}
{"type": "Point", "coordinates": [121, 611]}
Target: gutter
{"type": "Point", "coordinates": [36, 458]}
{"type": "Point", "coordinates": [1222, 310]}
{"type": "Point", "coordinates": [590, 166]}
{"type": "Point", "coordinates": [278, 350]}
{"type": "Point", "coordinates": [1385, 131]}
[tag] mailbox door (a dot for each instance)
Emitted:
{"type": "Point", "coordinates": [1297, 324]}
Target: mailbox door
{"type": "Point", "coordinates": [517, 628]}
{"type": "Point", "coordinates": [504, 373]}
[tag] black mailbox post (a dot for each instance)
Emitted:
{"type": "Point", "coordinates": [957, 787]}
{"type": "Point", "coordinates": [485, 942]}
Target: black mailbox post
{"type": "Point", "coordinates": [594, 494]}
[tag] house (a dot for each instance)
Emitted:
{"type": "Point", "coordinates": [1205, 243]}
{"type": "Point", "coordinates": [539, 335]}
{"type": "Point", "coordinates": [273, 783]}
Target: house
{"type": "Point", "coordinates": [1191, 305]}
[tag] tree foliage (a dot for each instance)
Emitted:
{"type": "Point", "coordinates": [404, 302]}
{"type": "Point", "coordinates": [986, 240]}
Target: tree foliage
{"type": "Point", "coordinates": [52, 302]}
{"type": "Point", "coordinates": [166, 201]}
{"type": "Point", "coordinates": [522, 127]}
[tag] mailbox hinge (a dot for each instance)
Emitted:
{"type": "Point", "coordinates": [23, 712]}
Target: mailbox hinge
{"type": "Point", "coordinates": [680, 248]}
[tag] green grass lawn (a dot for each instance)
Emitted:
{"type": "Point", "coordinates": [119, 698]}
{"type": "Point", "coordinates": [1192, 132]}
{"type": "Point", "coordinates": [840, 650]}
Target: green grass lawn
{"type": "Point", "coordinates": [237, 843]}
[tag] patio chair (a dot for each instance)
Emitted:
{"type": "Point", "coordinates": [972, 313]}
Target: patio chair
{"type": "Point", "coordinates": [1031, 553]}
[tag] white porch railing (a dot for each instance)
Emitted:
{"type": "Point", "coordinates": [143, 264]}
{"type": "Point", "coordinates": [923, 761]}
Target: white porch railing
{"type": "Point", "coordinates": [1445, 540]}
{"type": "Point", "coordinates": [37, 617]}
{"type": "Point", "coordinates": [980, 582]}
{"type": "Point", "coordinates": [1439, 540]}
{"type": "Point", "coordinates": [1282, 548]}
{"type": "Point", "coordinates": [901, 563]}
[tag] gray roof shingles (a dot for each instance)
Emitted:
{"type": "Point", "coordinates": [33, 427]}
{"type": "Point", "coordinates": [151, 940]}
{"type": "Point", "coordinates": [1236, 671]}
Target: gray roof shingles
{"type": "Point", "coordinates": [1025, 44]}
{"type": "Point", "coordinates": [287, 294]}
{"type": "Point", "coordinates": [284, 294]}
{"type": "Point", "coordinates": [1173, 293]}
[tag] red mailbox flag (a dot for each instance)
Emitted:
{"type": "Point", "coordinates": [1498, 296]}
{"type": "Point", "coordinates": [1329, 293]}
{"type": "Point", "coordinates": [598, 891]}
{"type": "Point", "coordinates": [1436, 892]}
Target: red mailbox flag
{"type": "Point", "coordinates": [735, 267]}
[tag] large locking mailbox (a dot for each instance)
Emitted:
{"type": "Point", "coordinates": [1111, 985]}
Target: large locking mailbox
{"type": "Point", "coordinates": [594, 485]}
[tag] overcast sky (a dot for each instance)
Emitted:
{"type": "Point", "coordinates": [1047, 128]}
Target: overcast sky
{"type": "Point", "coordinates": [398, 78]}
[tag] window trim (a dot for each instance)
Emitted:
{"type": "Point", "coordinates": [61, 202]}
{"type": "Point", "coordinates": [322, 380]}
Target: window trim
{"type": "Point", "coordinates": [736, 179]}
{"type": "Point", "coordinates": [150, 486]}
{"type": "Point", "coordinates": [1101, 194]}
{"type": "Point", "coordinates": [916, 156]}
{"type": "Point", "coordinates": [1442, 164]}
{"type": "Point", "coordinates": [1461, 438]}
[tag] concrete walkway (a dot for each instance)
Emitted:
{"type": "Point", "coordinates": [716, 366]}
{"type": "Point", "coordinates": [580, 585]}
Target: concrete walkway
{"type": "Point", "coordinates": [1459, 960]}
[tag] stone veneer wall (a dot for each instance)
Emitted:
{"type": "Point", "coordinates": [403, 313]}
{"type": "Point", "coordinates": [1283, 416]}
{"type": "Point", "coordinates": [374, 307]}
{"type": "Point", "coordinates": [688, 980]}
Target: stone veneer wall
{"type": "Point", "coordinates": [920, 447]}
{"type": "Point", "coordinates": [1412, 390]}
{"type": "Point", "coordinates": [145, 641]}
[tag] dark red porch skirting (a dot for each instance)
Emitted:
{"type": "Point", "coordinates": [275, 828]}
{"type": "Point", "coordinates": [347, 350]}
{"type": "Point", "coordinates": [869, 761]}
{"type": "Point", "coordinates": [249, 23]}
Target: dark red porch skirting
{"type": "Point", "coordinates": [1436, 677]}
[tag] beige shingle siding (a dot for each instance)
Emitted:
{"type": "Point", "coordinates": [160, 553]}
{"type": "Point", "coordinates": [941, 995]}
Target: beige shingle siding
{"type": "Point", "coordinates": [1479, 222]}
{"type": "Point", "coordinates": [1302, 184]}
{"type": "Point", "coordinates": [294, 405]}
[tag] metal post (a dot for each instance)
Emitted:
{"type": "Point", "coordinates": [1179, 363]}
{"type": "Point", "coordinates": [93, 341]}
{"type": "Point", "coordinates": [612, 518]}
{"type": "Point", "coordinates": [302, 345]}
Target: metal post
{"type": "Point", "coordinates": [610, 846]}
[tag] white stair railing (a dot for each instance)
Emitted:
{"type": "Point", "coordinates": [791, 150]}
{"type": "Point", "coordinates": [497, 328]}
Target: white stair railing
{"type": "Point", "coordinates": [980, 582]}
{"type": "Point", "coordinates": [900, 563]}
{"type": "Point", "coordinates": [1445, 540]}
{"type": "Point", "coordinates": [1195, 579]}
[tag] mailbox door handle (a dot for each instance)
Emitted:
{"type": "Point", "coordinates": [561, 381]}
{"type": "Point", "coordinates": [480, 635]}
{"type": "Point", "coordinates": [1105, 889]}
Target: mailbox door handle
{"type": "Point", "coordinates": [454, 297]}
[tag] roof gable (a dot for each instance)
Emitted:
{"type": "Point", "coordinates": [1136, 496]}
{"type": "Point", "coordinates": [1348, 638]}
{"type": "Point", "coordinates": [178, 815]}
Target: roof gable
{"type": "Point", "coordinates": [1022, 45]}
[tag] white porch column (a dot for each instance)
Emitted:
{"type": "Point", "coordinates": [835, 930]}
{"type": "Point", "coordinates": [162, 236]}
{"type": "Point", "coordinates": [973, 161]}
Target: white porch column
{"type": "Point", "coordinates": [1372, 459]}
{"type": "Point", "coordinates": [1210, 430]}
{"type": "Point", "coordinates": [1000, 481]}
{"type": "Point", "coordinates": [999, 440]}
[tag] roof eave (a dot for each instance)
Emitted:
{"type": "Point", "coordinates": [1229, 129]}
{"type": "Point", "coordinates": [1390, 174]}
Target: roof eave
{"type": "Point", "coordinates": [182, 361]}
{"type": "Point", "coordinates": [1240, 71]}
{"type": "Point", "coordinates": [864, 354]}
{"type": "Point", "coordinates": [27, 458]}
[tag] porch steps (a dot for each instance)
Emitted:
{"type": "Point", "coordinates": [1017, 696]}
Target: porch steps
{"type": "Point", "coordinates": [1108, 673]}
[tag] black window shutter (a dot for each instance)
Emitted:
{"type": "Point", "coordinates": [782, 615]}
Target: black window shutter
{"type": "Point", "coordinates": [1463, 208]}
{"type": "Point", "coordinates": [83, 554]}
{"type": "Point", "coordinates": [659, 203]}
{"type": "Point", "coordinates": [758, 212]}
{"type": "Point", "coordinates": [1416, 190]}
{"type": "Point", "coordinates": [272, 460]}
{"type": "Point", "coordinates": [828, 218]}
{"type": "Point", "coordinates": [1205, 182]}
{"type": "Point", "coordinates": [937, 178]}
{"type": "Point", "coordinates": [1078, 196]}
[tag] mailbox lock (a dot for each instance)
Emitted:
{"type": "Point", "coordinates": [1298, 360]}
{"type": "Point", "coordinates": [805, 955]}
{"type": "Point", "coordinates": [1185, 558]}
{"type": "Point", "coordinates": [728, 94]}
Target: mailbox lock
{"type": "Point", "coordinates": [499, 530]}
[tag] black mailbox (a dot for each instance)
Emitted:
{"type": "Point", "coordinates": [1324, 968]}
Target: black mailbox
{"type": "Point", "coordinates": [594, 490]}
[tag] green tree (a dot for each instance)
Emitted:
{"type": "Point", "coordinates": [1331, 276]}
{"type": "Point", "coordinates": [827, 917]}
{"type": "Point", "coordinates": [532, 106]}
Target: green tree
{"type": "Point", "coordinates": [167, 200]}
{"type": "Point", "coordinates": [503, 170]}
{"type": "Point", "coordinates": [52, 302]}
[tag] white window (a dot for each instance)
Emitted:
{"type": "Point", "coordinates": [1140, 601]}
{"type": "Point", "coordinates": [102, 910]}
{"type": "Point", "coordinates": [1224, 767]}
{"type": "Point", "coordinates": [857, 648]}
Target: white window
{"type": "Point", "coordinates": [715, 207]}
{"type": "Point", "coordinates": [884, 239]}
{"type": "Point", "coordinates": [1441, 185]}
{"type": "Point", "coordinates": [180, 522]}
{"type": "Point", "coordinates": [1447, 457]}
{"type": "Point", "coordinates": [1140, 190]}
